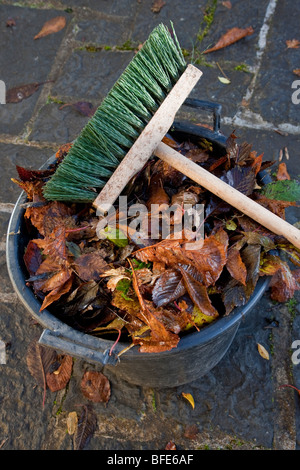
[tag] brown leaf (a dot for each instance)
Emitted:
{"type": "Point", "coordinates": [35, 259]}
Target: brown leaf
{"type": "Point", "coordinates": [90, 266]}
{"type": "Point", "coordinates": [86, 427]}
{"type": "Point", "coordinates": [49, 217]}
{"type": "Point", "coordinates": [58, 285]}
{"type": "Point", "coordinates": [170, 446]}
{"type": "Point", "coordinates": [83, 107]}
{"type": "Point", "coordinates": [59, 378]}
{"type": "Point", "coordinates": [32, 258]}
{"type": "Point", "coordinates": [282, 173]}
{"type": "Point", "coordinates": [95, 386]}
{"type": "Point", "coordinates": [232, 36]}
{"type": "Point", "coordinates": [292, 43]}
{"type": "Point", "coordinates": [235, 265]}
{"type": "Point", "coordinates": [51, 26]}
{"type": "Point", "coordinates": [157, 6]}
{"type": "Point", "coordinates": [21, 92]}
{"type": "Point", "coordinates": [284, 282]}
{"type": "Point", "coordinates": [39, 360]}
{"type": "Point", "coordinates": [168, 287]}
{"type": "Point", "coordinates": [26, 174]}
{"type": "Point", "coordinates": [227, 4]}
{"type": "Point", "coordinates": [198, 293]}
{"type": "Point", "coordinates": [296, 72]}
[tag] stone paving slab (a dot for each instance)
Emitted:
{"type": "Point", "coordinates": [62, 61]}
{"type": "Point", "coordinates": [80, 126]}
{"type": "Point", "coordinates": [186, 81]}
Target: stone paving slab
{"type": "Point", "coordinates": [239, 404]}
{"type": "Point", "coordinates": [24, 60]}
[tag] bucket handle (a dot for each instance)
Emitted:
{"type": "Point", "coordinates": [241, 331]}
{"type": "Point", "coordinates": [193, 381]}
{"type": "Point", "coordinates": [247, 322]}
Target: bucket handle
{"type": "Point", "coordinates": [70, 345]}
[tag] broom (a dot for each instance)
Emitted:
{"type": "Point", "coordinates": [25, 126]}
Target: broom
{"type": "Point", "coordinates": [127, 128]}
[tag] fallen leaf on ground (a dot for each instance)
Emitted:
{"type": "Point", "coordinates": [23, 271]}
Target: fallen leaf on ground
{"type": "Point", "coordinates": [282, 173]}
{"type": "Point", "coordinates": [52, 26]}
{"type": "Point", "coordinates": [21, 92]}
{"type": "Point", "coordinates": [224, 80]}
{"type": "Point", "coordinates": [83, 107]}
{"type": "Point", "coordinates": [227, 4]}
{"type": "Point", "coordinates": [157, 6]}
{"type": "Point", "coordinates": [189, 398]}
{"type": "Point", "coordinates": [293, 43]}
{"type": "Point", "coordinates": [86, 427]}
{"type": "Point", "coordinates": [95, 386]}
{"type": "Point", "coordinates": [72, 422]}
{"type": "Point", "coordinates": [232, 36]}
{"type": "Point", "coordinates": [60, 373]}
{"type": "Point", "coordinates": [10, 22]}
{"type": "Point", "coordinates": [262, 351]}
{"type": "Point", "coordinates": [296, 72]}
{"type": "Point", "coordinates": [39, 360]}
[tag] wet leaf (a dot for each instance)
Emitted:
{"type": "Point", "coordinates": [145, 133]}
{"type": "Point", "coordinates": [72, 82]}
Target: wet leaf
{"type": "Point", "coordinates": [292, 43]}
{"type": "Point", "coordinates": [39, 360]}
{"type": "Point", "coordinates": [26, 174]}
{"type": "Point", "coordinates": [198, 293]}
{"type": "Point", "coordinates": [90, 266]}
{"type": "Point", "coordinates": [262, 351]}
{"type": "Point", "coordinates": [282, 173]}
{"type": "Point", "coordinates": [286, 190]}
{"type": "Point", "coordinates": [189, 397]}
{"type": "Point", "coordinates": [95, 386]}
{"type": "Point", "coordinates": [296, 72]}
{"type": "Point", "coordinates": [32, 258]}
{"type": "Point", "coordinates": [72, 422]}
{"type": "Point", "coordinates": [168, 287]}
{"type": "Point", "coordinates": [235, 265]}
{"type": "Point", "coordinates": [21, 92]}
{"type": "Point", "coordinates": [157, 6]}
{"type": "Point", "coordinates": [83, 107]}
{"type": "Point", "coordinates": [59, 378]}
{"type": "Point", "coordinates": [58, 285]}
{"type": "Point", "coordinates": [51, 26]}
{"type": "Point", "coordinates": [232, 36]}
{"type": "Point", "coordinates": [241, 178]}
{"type": "Point", "coordinates": [86, 427]}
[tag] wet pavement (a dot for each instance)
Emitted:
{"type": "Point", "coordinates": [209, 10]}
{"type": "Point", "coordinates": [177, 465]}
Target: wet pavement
{"type": "Point", "coordinates": [240, 403]}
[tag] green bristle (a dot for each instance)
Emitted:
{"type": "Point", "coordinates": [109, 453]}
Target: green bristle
{"type": "Point", "coordinates": [119, 120]}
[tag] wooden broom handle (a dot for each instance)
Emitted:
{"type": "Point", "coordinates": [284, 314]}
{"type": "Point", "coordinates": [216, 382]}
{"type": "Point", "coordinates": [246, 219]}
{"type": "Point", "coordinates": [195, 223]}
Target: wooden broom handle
{"type": "Point", "coordinates": [229, 194]}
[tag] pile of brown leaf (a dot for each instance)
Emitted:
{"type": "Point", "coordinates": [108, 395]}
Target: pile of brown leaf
{"type": "Point", "coordinates": [153, 292]}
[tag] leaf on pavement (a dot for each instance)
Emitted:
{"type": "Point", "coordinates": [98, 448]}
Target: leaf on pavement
{"type": "Point", "coordinates": [282, 172]}
{"type": "Point", "coordinates": [86, 427]}
{"type": "Point", "coordinates": [157, 6]}
{"type": "Point", "coordinates": [292, 43]}
{"type": "Point", "coordinates": [90, 266]}
{"type": "Point", "coordinates": [39, 360]}
{"type": "Point", "coordinates": [262, 351]}
{"type": "Point", "coordinates": [21, 92]}
{"type": "Point", "coordinates": [60, 373]}
{"type": "Point", "coordinates": [72, 422]}
{"type": "Point", "coordinates": [232, 36]}
{"type": "Point", "coordinates": [189, 397]}
{"type": "Point", "coordinates": [51, 26]}
{"type": "Point", "coordinates": [95, 386]}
